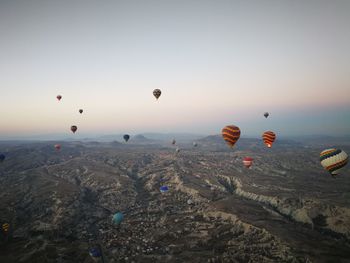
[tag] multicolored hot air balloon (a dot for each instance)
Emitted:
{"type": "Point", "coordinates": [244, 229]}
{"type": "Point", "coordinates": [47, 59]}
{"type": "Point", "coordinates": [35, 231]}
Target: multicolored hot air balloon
{"type": "Point", "coordinates": [117, 218]}
{"type": "Point", "coordinates": [59, 97]}
{"type": "Point", "coordinates": [231, 134]}
{"type": "Point", "coordinates": [248, 161]}
{"type": "Point", "coordinates": [58, 147]}
{"type": "Point", "coordinates": [73, 128]}
{"type": "Point", "coordinates": [164, 189]}
{"type": "Point", "coordinates": [6, 228]}
{"type": "Point", "coordinates": [333, 160]}
{"type": "Point", "coordinates": [2, 157]}
{"type": "Point", "coordinates": [269, 137]}
{"type": "Point", "coordinates": [126, 137]}
{"type": "Point", "coordinates": [80, 111]}
{"type": "Point", "coordinates": [157, 93]}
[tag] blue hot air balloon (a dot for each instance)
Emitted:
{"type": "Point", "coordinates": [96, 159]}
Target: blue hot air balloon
{"type": "Point", "coordinates": [95, 252]}
{"type": "Point", "coordinates": [164, 189]}
{"type": "Point", "coordinates": [117, 218]}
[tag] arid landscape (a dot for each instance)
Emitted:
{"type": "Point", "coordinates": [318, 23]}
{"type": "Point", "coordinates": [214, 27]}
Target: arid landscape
{"type": "Point", "coordinates": [285, 208]}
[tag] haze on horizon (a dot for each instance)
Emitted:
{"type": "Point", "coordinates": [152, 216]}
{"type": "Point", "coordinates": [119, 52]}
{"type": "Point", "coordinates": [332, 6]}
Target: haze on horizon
{"type": "Point", "coordinates": [217, 63]}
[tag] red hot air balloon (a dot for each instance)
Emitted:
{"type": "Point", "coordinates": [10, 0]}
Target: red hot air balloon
{"type": "Point", "coordinates": [59, 97]}
{"type": "Point", "coordinates": [73, 128]}
{"type": "Point", "coordinates": [248, 161]}
{"type": "Point", "coordinates": [58, 147]}
{"type": "Point", "coordinates": [231, 134]}
{"type": "Point", "coordinates": [269, 137]}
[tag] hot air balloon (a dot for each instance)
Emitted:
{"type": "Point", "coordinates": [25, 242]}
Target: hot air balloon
{"type": "Point", "coordinates": [81, 111]}
{"type": "Point", "coordinates": [117, 218]}
{"type": "Point", "coordinates": [95, 252]}
{"type": "Point", "coordinates": [6, 228]}
{"type": "Point", "coordinates": [248, 161]}
{"type": "Point", "coordinates": [333, 160]}
{"type": "Point", "coordinates": [195, 144]}
{"type": "Point", "coordinates": [126, 137]}
{"type": "Point", "coordinates": [2, 157]}
{"type": "Point", "coordinates": [177, 150]}
{"type": "Point", "coordinates": [231, 134]}
{"type": "Point", "coordinates": [73, 128]}
{"type": "Point", "coordinates": [266, 114]}
{"type": "Point", "coordinates": [58, 147]}
{"type": "Point", "coordinates": [269, 137]}
{"type": "Point", "coordinates": [157, 93]}
{"type": "Point", "coordinates": [59, 97]}
{"type": "Point", "coordinates": [164, 189]}
{"type": "Point", "coordinates": [173, 142]}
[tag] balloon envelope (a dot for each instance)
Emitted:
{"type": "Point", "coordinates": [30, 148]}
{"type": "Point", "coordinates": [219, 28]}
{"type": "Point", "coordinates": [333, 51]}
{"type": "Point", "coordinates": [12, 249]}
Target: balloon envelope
{"type": "Point", "coordinates": [157, 93]}
{"type": "Point", "coordinates": [269, 137]}
{"type": "Point", "coordinates": [117, 218]}
{"type": "Point", "coordinates": [333, 160]}
{"type": "Point", "coordinates": [73, 128]}
{"type": "Point", "coordinates": [231, 134]}
{"type": "Point", "coordinates": [164, 189]}
{"type": "Point", "coordinates": [95, 252]}
{"type": "Point", "coordinates": [58, 147]}
{"type": "Point", "coordinates": [126, 137]}
{"type": "Point", "coordinates": [247, 162]}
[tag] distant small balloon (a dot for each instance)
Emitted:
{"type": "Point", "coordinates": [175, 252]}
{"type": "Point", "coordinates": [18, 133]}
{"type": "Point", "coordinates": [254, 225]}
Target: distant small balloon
{"type": "Point", "coordinates": [177, 150]}
{"type": "Point", "coordinates": [266, 114]}
{"type": "Point", "coordinates": [58, 147]}
{"type": "Point", "coordinates": [81, 111]}
{"type": "Point", "coordinates": [126, 137]}
{"type": "Point", "coordinates": [117, 218]}
{"type": "Point", "coordinates": [269, 137]}
{"type": "Point", "coordinates": [59, 97]}
{"type": "Point", "coordinates": [247, 162]}
{"type": "Point", "coordinates": [95, 252]}
{"type": "Point", "coordinates": [173, 142]}
{"type": "Point", "coordinates": [195, 144]}
{"type": "Point", "coordinates": [157, 93]}
{"type": "Point", "coordinates": [73, 128]}
{"type": "Point", "coordinates": [2, 157]}
{"type": "Point", "coordinates": [164, 189]}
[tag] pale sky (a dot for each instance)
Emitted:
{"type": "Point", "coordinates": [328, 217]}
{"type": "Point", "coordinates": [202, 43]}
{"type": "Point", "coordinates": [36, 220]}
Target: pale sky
{"type": "Point", "coordinates": [216, 62]}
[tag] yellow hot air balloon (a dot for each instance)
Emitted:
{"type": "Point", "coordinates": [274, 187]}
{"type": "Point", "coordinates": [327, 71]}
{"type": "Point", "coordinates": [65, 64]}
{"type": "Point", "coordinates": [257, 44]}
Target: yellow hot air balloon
{"type": "Point", "coordinates": [333, 160]}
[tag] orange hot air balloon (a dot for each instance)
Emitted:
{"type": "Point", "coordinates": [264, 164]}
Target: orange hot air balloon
{"type": "Point", "coordinates": [248, 161]}
{"type": "Point", "coordinates": [269, 137]}
{"type": "Point", "coordinates": [58, 147]}
{"type": "Point", "coordinates": [231, 134]}
{"type": "Point", "coordinates": [59, 97]}
{"type": "Point", "coordinates": [73, 128]}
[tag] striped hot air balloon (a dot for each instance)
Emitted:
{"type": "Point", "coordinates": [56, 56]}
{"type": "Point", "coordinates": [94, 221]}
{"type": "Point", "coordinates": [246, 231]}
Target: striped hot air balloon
{"type": "Point", "coordinates": [248, 161]}
{"type": "Point", "coordinates": [269, 137]}
{"type": "Point", "coordinates": [333, 160]}
{"type": "Point", "coordinates": [231, 134]}
{"type": "Point", "coordinates": [5, 227]}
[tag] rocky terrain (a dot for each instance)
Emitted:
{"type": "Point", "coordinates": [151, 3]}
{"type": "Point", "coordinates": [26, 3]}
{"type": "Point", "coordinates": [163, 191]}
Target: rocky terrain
{"type": "Point", "coordinates": [285, 208]}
